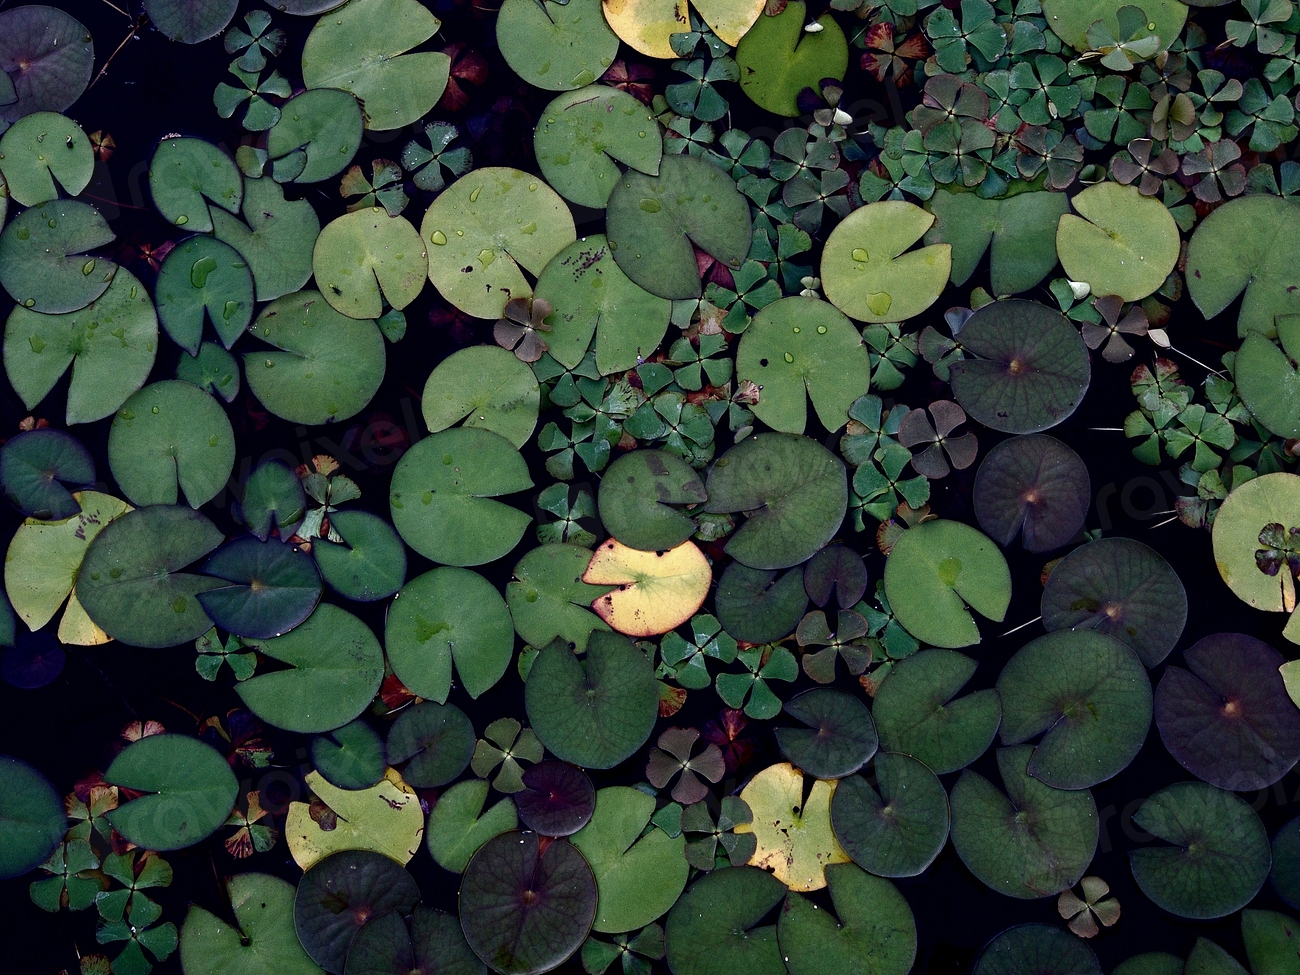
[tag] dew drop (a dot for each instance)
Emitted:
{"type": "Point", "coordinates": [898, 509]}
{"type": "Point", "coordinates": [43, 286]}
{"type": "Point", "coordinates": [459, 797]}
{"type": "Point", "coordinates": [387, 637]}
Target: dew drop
{"type": "Point", "coordinates": [269, 363]}
{"type": "Point", "coordinates": [154, 410]}
{"type": "Point", "coordinates": [797, 330]}
{"type": "Point", "coordinates": [487, 256]}
{"type": "Point", "coordinates": [53, 224]}
{"type": "Point", "coordinates": [229, 309]}
{"type": "Point", "coordinates": [532, 187]}
{"type": "Point", "coordinates": [438, 237]}
{"type": "Point", "coordinates": [29, 302]}
{"type": "Point", "coordinates": [789, 357]}
{"type": "Point", "coordinates": [88, 266]}
{"type": "Point", "coordinates": [584, 77]}
{"type": "Point", "coordinates": [821, 329]}
{"type": "Point", "coordinates": [650, 206]}
{"type": "Point", "coordinates": [200, 271]}
{"type": "Point", "coordinates": [879, 302]}
{"type": "Point", "coordinates": [182, 220]}
{"type": "Point", "coordinates": [473, 196]}
{"type": "Point", "coordinates": [213, 440]}
{"type": "Point", "coordinates": [529, 228]}
{"type": "Point", "coordinates": [859, 255]}
{"type": "Point", "coordinates": [22, 233]}
{"type": "Point", "coordinates": [37, 343]}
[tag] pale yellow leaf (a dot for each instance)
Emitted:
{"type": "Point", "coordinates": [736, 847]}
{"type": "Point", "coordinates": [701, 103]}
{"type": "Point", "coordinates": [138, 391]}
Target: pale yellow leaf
{"type": "Point", "coordinates": [657, 591]}
{"type": "Point", "coordinates": [386, 818]}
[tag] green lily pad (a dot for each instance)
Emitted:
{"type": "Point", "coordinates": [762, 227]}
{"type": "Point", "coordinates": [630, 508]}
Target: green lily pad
{"type": "Point", "coordinates": [362, 48]}
{"type": "Point", "coordinates": [449, 614]}
{"type": "Point", "coordinates": [190, 791]}
{"type": "Point", "coordinates": [327, 366]}
{"type": "Point", "coordinates": [32, 815]}
{"type": "Point", "coordinates": [41, 153]}
{"type": "Point", "coordinates": [875, 933]}
{"type": "Point", "coordinates": [434, 942]}
{"type": "Point", "coordinates": [917, 711]}
{"type": "Point", "coordinates": [190, 21]}
{"type": "Point", "coordinates": [213, 370]}
{"type": "Point", "coordinates": [548, 599]}
{"type": "Point", "coordinates": [318, 134]}
{"type": "Point", "coordinates": [442, 494]}
{"type": "Point", "coordinates": [335, 666]}
{"type": "Point", "coordinates": [556, 46]}
{"type": "Point", "coordinates": [264, 940]}
{"type": "Point", "coordinates": [488, 388]}
{"type": "Point", "coordinates": [1090, 698]}
{"type": "Point", "coordinates": [1267, 380]}
{"type": "Point", "coordinates": [641, 499]}
{"type": "Point", "coordinates": [638, 877]}
{"type": "Point", "coordinates": [273, 587]}
{"type": "Point", "coordinates": [365, 253]}
{"type": "Point", "coordinates": [187, 177]}
{"type": "Point", "coordinates": [458, 826]}
{"type": "Point", "coordinates": [44, 263]}
{"type": "Point", "coordinates": [1286, 863]}
{"type": "Point", "coordinates": [37, 468]}
{"type": "Point", "coordinates": [583, 135]}
{"type": "Point", "coordinates": [1250, 536]}
{"type": "Point", "coordinates": [757, 606]}
{"type": "Point", "coordinates": [1070, 19]}
{"type": "Point", "coordinates": [899, 830]}
{"type": "Point", "coordinates": [838, 738]}
{"type": "Point", "coordinates": [131, 584]}
{"type": "Point", "coordinates": [351, 757]}
{"type": "Point", "coordinates": [48, 56]}
{"type": "Point", "coordinates": [202, 278]}
{"type": "Point", "coordinates": [1031, 841]}
{"type": "Point", "coordinates": [273, 498]}
{"type": "Point", "coordinates": [1121, 243]}
{"type": "Point", "coordinates": [1150, 963]}
{"type": "Point", "coordinates": [715, 927]}
{"type": "Point", "coordinates": [1270, 941]}
{"type": "Point", "coordinates": [1219, 854]}
{"type": "Point", "coordinates": [1037, 949]}
{"type": "Point", "coordinates": [594, 712]}
{"type": "Point", "coordinates": [797, 349]}
{"type": "Point", "coordinates": [793, 490]}
{"type": "Point", "coordinates": [435, 741]}
{"type": "Point", "coordinates": [938, 569]}
{"type": "Point", "coordinates": [1033, 486]}
{"type": "Point", "coordinates": [1030, 371]}
{"type": "Point", "coordinates": [592, 296]}
{"type": "Point", "coordinates": [339, 894]}
{"type": "Point", "coordinates": [275, 237]}
{"type": "Point", "coordinates": [869, 273]}
{"type": "Point", "coordinates": [652, 221]}
{"type": "Point", "coordinates": [778, 58]}
{"type": "Point", "coordinates": [1018, 233]}
{"type": "Point", "coordinates": [369, 564]}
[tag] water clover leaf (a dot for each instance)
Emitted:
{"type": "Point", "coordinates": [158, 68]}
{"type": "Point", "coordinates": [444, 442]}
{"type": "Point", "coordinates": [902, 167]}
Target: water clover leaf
{"type": "Point", "coordinates": [44, 263]}
{"type": "Point", "coordinates": [48, 57]}
{"type": "Point", "coordinates": [38, 467]}
{"type": "Point", "coordinates": [263, 939]}
{"type": "Point", "coordinates": [655, 592]}
{"type": "Point", "coordinates": [504, 747]}
{"type": "Point", "coordinates": [458, 826]}
{"type": "Point", "coordinates": [364, 254]}
{"type": "Point", "coordinates": [487, 388]}
{"type": "Point", "coordinates": [553, 45]}
{"type": "Point", "coordinates": [187, 177]}
{"type": "Point", "coordinates": [778, 58]}
{"type": "Point", "coordinates": [276, 240]}
{"type": "Point", "coordinates": [875, 933]}
{"type": "Point", "coordinates": [749, 690]}
{"type": "Point", "coordinates": [38, 150]}
{"type": "Point", "coordinates": [1121, 243]}
{"type": "Point", "coordinates": [548, 598]}
{"type": "Point", "coordinates": [32, 814]}
{"type": "Point", "coordinates": [190, 21]}
{"type": "Point", "coordinates": [649, 25]}
{"type": "Point", "coordinates": [204, 279]}
{"type": "Point", "coordinates": [715, 927]}
{"type": "Point", "coordinates": [258, 43]}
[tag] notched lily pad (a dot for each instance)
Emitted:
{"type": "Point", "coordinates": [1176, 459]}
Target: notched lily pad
{"type": "Point", "coordinates": [1033, 486]}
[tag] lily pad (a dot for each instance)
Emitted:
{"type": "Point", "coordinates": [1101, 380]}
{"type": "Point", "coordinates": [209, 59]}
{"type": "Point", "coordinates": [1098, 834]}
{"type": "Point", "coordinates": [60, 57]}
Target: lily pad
{"type": "Point", "coordinates": [272, 587]}
{"type": "Point", "coordinates": [488, 388]}
{"type": "Point", "coordinates": [778, 58]}
{"type": "Point", "coordinates": [875, 933]}
{"type": "Point", "coordinates": [31, 813]}
{"type": "Point", "coordinates": [365, 254]}
{"type": "Point", "coordinates": [1037, 948]}
{"type": "Point", "coordinates": [44, 260]}
{"type": "Point", "coordinates": [370, 563]}
{"type": "Point", "coordinates": [917, 712]}
{"type": "Point", "coordinates": [434, 942]}
{"type": "Point", "coordinates": [48, 56]}
{"type": "Point", "coordinates": [213, 370]}
{"type": "Point", "coordinates": [558, 799]}
{"type": "Point", "coordinates": [487, 228]}
{"type": "Point", "coordinates": [896, 828]}
{"type": "Point", "coordinates": [190, 21]}
{"type": "Point", "coordinates": [1219, 854]}
{"type": "Point", "coordinates": [839, 737]}
{"type": "Point", "coordinates": [1031, 841]}
{"type": "Point", "coordinates": [715, 927]}
{"type": "Point", "coordinates": [273, 498]}
{"type": "Point", "coordinates": [797, 346]}
{"type": "Point", "coordinates": [318, 134]}
{"type": "Point", "coordinates": [1070, 19]}
{"type": "Point", "coordinates": [458, 826]}
{"type": "Point", "coordinates": [648, 25]}
{"type": "Point", "coordinates": [38, 467]}
{"type": "Point", "coordinates": [189, 791]}
{"type": "Point", "coordinates": [1251, 539]}
{"type": "Point", "coordinates": [652, 222]}
{"type": "Point", "coordinates": [524, 910]}
{"type": "Point", "coordinates": [1030, 370]}
{"type": "Point", "coordinates": [202, 278]}
{"type": "Point", "coordinates": [436, 741]}
{"type": "Point", "coordinates": [42, 152]}
{"type": "Point", "coordinates": [1267, 380]}
{"type": "Point", "coordinates": [1270, 941]}
{"type": "Point", "coordinates": [549, 600]}
{"type": "Point", "coordinates": [1150, 963]}
{"type": "Point", "coordinates": [1033, 486]}
{"type": "Point", "coordinates": [1089, 697]}
{"type": "Point", "coordinates": [757, 605]}
{"type": "Point", "coordinates": [351, 757]}
{"type": "Point", "coordinates": [791, 826]}
{"type": "Point", "coordinates": [868, 271]}
{"type": "Point", "coordinates": [557, 46]}
{"type": "Point", "coordinates": [594, 712]}
{"type": "Point", "coordinates": [263, 941]}
{"type": "Point", "coordinates": [385, 818]}
{"type": "Point", "coordinates": [275, 237]}
{"type": "Point", "coordinates": [641, 498]}
{"type": "Point", "coordinates": [442, 496]}
{"type": "Point", "coordinates": [1286, 863]}
{"type": "Point", "coordinates": [187, 177]}
{"type": "Point", "coordinates": [793, 490]}
{"type": "Point", "coordinates": [1121, 243]}
{"type": "Point", "coordinates": [1228, 719]}
{"type": "Point", "coordinates": [655, 592]}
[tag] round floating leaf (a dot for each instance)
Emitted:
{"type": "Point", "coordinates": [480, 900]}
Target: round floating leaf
{"type": "Point", "coordinates": [1252, 539]}
{"type": "Point", "coordinates": [264, 940]}
{"type": "Point", "coordinates": [204, 278]}
{"type": "Point", "coordinates": [1090, 698]}
{"type": "Point", "coordinates": [458, 826]}
{"type": "Point", "coordinates": [557, 800]}
{"type": "Point", "coordinates": [638, 877]}
{"type": "Point", "coordinates": [1219, 857]}
{"type": "Point", "coordinates": [1267, 381]}
{"type": "Point", "coordinates": [485, 227]}
{"type": "Point", "coordinates": [583, 135]}
{"type": "Point", "coordinates": [935, 571]}
{"type": "Point", "coordinates": [801, 344]}
{"type": "Point", "coordinates": [303, 8]}
{"type": "Point", "coordinates": [549, 600]}
{"type": "Point", "coordinates": [171, 433]}
{"type": "Point", "coordinates": [1150, 963]}
{"type": "Point", "coordinates": [652, 221]}
{"type": "Point", "coordinates": [794, 491]}
{"type": "Point", "coordinates": [273, 587]}
{"type": "Point", "coordinates": [835, 572]}
{"type": "Point", "coordinates": [351, 757]}
{"type": "Point", "coordinates": [361, 48]}
{"type": "Point", "coordinates": [1270, 941]}
{"type": "Point", "coordinates": [525, 911]}
{"type": "Point", "coordinates": [1121, 243]}
{"type": "Point", "coordinates": [778, 58]}
{"type": "Point", "coordinates": [1286, 863]}
{"type": "Point", "coordinates": [1228, 719]}
{"type": "Point", "coordinates": [794, 835]}
{"type": "Point", "coordinates": [369, 565]}
{"type": "Point", "coordinates": [273, 498]}
{"type": "Point", "coordinates": [189, 788]}
{"type": "Point", "coordinates": [868, 271]}
{"type": "Point", "coordinates": [1030, 370]}
{"type": "Point", "coordinates": [1033, 486]}
{"type": "Point", "coordinates": [1070, 19]}
{"type": "Point", "coordinates": [592, 296]}
{"type": "Point", "coordinates": [37, 660]}
{"type": "Point", "coordinates": [189, 176]}
{"type": "Point", "coordinates": [435, 740]}
{"type": "Point", "coordinates": [361, 254]}
{"type": "Point", "coordinates": [442, 491]}
{"type": "Point", "coordinates": [43, 259]}
{"type": "Point", "coordinates": [434, 943]}
{"type": "Point", "coordinates": [328, 366]}
{"type": "Point", "coordinates": [655, 591]}
{"type": "Point", "coordinates": [648, 25]}
{"type": "Point", "coordinates": [556, 46]}
{"type": "Point", "coordinates": [48, 56]}
{"type": "Point", "coordinates": [1031, 841]}
{"type": "Point", "coordinates": [900, 829]}
{"type": "Point", "coordinates": [488, 388]}
{"type": "Point", "coordinates": [131, 584]}
{"type": "Point", "coordinates": [1037, 949]}
{"type": "Point", "coordinates": [756, 606]}
{"type": "Point", "coordinates": [321, 129]}
{"type": "Point", "coordinates": [713, 929]}
{"type": "Point", "coordinates": [839, 737]}
{"type": "Point", "coordinates": [36, 469]}
{"type": "Point", "coordinates": [640, 497]}
{"type": "Point", "coordinates": [213, 370]}
{"type": "Point", "coordinates": [275, 237]}
{"type": "Point", "coordinates": [39, 150]}
{"type": "Point", "coordinates": [386, 818]}
{"type": "Point", "coordinates": [593, 712]}
{"type": "Point", "coordinates": [31, 816]}
{"type": "Point", "coordinates": [338, 895]}
{"type": "Point", "coordinates": [190, 21]}
{"type": "Point", "coordinates": [875, 933]}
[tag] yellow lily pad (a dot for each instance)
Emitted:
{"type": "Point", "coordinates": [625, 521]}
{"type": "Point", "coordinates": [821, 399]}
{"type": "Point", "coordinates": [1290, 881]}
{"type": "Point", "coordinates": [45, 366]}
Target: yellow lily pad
{"type": "Point", "coordinates": [795, 839]}
{"type": "Point", "coordinates": [657, 591]}
{"type": "Point", "coordinates": [647, 25]}
{"type": "Point", "coordinates": [386, 818]}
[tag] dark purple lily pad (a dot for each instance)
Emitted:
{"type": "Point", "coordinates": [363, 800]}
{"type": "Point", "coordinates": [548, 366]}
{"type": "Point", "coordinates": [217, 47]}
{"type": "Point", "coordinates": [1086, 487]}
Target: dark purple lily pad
{"type": "Point", "coordinates": [1033, 486]}
{"type": "Point", "coordinates": [340, 894]}
{"type": "Point", "coordinates": [557, 800]}
{"type": "Point", "coordinates": [840, 736]}
{"type": "Point", "coordinates": [430, 944]}
{"type": "Point", "coordinates": [1122, 588]}
{"type": "Point", "coordinates": [273, 587]}
{"type": "Point", "coordinates": [48, 55]}
{"type": "Point", "coordinates": [1228, 719]}
{"type": "Point", "coordinates": [525, 909]}
{"type": "Point", "coordinates": [1030, 369]}
{"type": "Point", "coordinates": [36, 660]}
{"type": "Point", "coordinates": [836, 571]}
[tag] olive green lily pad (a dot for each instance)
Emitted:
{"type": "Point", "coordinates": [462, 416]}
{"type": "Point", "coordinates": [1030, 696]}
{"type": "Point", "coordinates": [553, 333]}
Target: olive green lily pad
{"type": "Point", "coordinates": [778, 58]}
{"type": "Point", "coordinates": [1251, 534]}
{"type": "Point", "coordinates": [648, 25]}
{"type": "Point", "coordinates": [458, 826]}
{"type": "Point", "coordinates": [32, 816]}
{"type": "Point", "coordinates": [190, 791]}
{"type": "Point", "coordinates": [1267, 380]}
{"type": "Point", "coordinates": [187, 177]}
{"type": "Point", "coordinates": [318, 134]}
{"type": "Point", "coordinates": [641, 499]}
{"type": "Point", "coordinates": [44, 264]}
{"type": "Point", "coordinates": [716, 928]}
{"type": "Point", "coordinates": [838, 736]}
{"type": "Point", "coordinates": [351, 757]}
{"type": "Point", "coordinates": [875, 933]}
{"type": "Point", "coordinates": [896, 828]}
{"type": "Point", "coordinates": [1070, 19]}
{"type": "Point", "coordinates": [41, 153]}
{"type": "Point", "coordinates": [1121, 243]}
{"type": "Point", "coordinates": [488, 388]}
{"type": "Point", "coordinates": [264, 940]}
{"type": "Point", "coordinates": [757, 606]}
{"type": "Point", "coordinates": [202, 278]}
{"type": "Point", "coordinates": [549, 600]}
{"type": "Point", "coordinates": [275, 237]}
{"type": "Point", "coordinates": [556, 46]}
{"type": "Point", "coordinates": [369, 564]}
{"type": "Point", "coordinates": [367, 254]}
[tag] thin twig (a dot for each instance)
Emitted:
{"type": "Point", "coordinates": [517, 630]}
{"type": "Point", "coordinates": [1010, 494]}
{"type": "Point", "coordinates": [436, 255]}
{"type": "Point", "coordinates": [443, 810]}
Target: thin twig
{"type": "Point", "coordinates": [1165, 522]}
{"type": "Point", "coordinates": [135, 29]}
{"type": "Point", "coordinates": [1021, 626]}
{"type": "Point", "coordinates": [118, 9]}
{"type": "Point", "coordinates": [1217, 372]}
